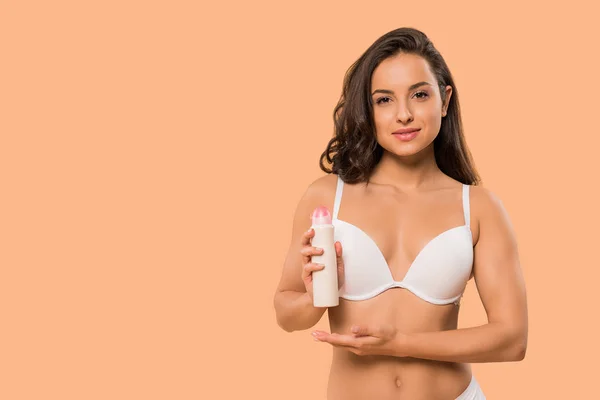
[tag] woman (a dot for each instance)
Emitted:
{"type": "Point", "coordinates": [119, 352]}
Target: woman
{"type": "Point", "coordinates": [412, 227]}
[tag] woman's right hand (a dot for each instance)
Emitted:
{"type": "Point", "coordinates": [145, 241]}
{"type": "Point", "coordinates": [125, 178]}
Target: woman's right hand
{"type": "Point", "coordinates": [307, 251]}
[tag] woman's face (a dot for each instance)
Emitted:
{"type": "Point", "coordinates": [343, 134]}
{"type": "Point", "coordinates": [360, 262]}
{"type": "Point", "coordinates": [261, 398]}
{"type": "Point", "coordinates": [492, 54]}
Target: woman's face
{"type": "Point", "coordinates": [402, 100]}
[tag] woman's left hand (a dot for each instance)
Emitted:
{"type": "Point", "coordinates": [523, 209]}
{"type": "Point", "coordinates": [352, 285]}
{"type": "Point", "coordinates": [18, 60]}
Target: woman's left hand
{"type": "Point", "coordinates": [364, 341]}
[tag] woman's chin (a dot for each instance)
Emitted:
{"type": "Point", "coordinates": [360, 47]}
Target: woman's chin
{"type": "Point", "coordinates": [406, 149]}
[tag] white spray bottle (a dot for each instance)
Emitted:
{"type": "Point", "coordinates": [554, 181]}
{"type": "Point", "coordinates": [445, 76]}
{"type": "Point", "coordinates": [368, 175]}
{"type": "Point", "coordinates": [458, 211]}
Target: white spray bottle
{"type": "Point", "coordinates": [325, 281]}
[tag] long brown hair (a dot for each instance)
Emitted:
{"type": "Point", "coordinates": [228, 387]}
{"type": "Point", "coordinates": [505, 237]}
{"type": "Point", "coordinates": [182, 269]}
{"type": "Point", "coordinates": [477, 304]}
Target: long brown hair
{"type": "Point", "coordinates": [353, 151]}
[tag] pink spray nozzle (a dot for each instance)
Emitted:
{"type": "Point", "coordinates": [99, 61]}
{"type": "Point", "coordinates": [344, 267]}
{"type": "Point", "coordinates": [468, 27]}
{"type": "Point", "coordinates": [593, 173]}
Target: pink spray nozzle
{"type": "Point", "coordinates": [321, 216]}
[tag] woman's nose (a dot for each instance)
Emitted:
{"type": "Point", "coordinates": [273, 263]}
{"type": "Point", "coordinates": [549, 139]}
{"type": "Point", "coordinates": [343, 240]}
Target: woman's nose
{"type": "Point", "coordinates": [404, 115]}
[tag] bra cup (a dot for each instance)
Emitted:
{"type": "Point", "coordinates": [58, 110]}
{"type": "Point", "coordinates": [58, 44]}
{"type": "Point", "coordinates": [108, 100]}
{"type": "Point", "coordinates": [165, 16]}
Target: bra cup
{"type": "Point", "coordinates": [439, 273]}
{"type": "Point", "coordinates": [365, 268]}
{"type": "Point", "coordinates": [443, 268]}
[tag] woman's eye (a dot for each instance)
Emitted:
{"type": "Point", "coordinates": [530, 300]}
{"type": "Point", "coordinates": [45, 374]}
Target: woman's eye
{"type": "Point", "coordinates": [382, 99]}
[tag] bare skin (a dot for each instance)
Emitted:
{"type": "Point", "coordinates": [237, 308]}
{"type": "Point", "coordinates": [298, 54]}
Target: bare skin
{"type": "Point", "coordinates": [401, 224]}
{"type": "Point", "coordinates": [408, 201]}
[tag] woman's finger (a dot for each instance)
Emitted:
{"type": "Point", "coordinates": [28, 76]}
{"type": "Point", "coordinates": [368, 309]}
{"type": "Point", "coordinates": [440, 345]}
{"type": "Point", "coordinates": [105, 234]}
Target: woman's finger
{"type": "Point", "coordinates": [338, 340]}
{"type": "Point", "coordinates": [311, 267]}
{"type": "Point", "coordinates": [310, 251]}
{"type": "Point", "coordinates": [306, 236]}
{"type": "Point", "coordinates": [305, 241]}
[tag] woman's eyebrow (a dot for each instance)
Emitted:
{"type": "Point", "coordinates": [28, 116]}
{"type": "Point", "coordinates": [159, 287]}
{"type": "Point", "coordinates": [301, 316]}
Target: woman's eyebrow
{"type": "Point", "coordinates": [414, 86]}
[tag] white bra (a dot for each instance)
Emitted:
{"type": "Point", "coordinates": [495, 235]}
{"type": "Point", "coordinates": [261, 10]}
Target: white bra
{"type": "Point", "coordinates": [439, 273]}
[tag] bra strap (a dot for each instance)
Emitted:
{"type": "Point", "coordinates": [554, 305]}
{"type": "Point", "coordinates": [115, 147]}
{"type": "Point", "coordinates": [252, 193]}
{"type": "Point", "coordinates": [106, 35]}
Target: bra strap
{"type": "Point", "coordinates": [338, 196]}
{"type": "Point", "coordinates": [466, 205]}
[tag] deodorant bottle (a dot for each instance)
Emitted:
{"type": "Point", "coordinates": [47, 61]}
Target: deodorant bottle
{"type": "Point", "coordinates": [325, 281]}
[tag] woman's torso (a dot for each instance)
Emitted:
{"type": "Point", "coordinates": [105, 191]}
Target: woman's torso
{"type": "Point", "coordinates": [401, 225]}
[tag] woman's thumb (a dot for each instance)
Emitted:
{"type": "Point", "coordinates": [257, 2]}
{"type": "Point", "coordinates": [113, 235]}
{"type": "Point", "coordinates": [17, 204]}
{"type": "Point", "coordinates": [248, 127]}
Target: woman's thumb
{"type": "Point", "coordinates": [340, 264]}
{"type": "Point", "coordinates": [338, 251]}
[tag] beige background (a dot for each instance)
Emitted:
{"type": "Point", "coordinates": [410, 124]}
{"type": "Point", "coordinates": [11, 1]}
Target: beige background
{"type": "Point", "coordinates": [153, 154]}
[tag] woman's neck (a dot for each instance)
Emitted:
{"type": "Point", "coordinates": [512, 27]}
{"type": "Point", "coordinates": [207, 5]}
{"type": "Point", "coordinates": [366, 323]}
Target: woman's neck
{"type": "Point", "coordinates": [412, 173]}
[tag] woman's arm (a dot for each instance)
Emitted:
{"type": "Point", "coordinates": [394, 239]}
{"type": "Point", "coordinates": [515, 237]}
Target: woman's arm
{"type": "Point", "coordinates": [293, 305]}
{"type": "Point", "coordinates": [295, 311]}
{"type": "Point", "coordinates": [492, 342]}
{"type": "Point", "coordinates": [501, 286]}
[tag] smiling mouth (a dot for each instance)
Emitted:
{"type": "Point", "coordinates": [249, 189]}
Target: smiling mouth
{"type": "Point", "coordinates": [406, 131]}
{"type": "Point", "coordinates": [406, 136]}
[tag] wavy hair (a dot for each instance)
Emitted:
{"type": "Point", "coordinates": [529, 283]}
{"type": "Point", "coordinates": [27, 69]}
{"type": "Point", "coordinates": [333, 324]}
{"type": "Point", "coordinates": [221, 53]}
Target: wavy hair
{"type": "Point", "coordinates": [353, 152]}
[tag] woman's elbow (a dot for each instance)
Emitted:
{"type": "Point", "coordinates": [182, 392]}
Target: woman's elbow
{"type": "Point", "coordinates": [519, 347]}
{"type": "Point", "coordinates": [520, 352]}
{"type": "Point", "coordinates": [280, 317]}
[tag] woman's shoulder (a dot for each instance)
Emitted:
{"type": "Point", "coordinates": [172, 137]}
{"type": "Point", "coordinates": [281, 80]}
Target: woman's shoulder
{"type": "Point", "coordinates": [484, 197]}
{"type": "Point", "coordinates": [322, 188]}
{"type": "Point", "coordinates": [478, 193]}
{"type": "Point", "coordinates": [321, 191]}
{"type": "Point", "coordinates": [486, 207]}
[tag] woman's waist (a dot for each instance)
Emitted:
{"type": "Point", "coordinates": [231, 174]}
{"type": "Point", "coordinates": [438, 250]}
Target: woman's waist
{"type": "Point", "coordinates": [345, 360]}
{"type": "Point", "coordinates": [397, 372]}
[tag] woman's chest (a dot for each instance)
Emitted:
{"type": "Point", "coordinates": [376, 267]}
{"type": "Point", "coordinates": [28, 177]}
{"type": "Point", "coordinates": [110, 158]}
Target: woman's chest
{"type": "Point", "coordinates": [398, 228]}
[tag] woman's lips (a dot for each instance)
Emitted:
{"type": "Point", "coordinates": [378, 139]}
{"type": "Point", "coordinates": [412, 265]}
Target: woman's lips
{"type": "Point", "coordinates": [406, 136]}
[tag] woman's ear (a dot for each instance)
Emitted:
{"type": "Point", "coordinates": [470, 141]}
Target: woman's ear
{"type": "Point", "coordinates": [448, 94]}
